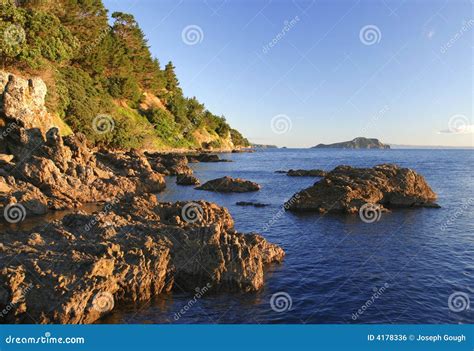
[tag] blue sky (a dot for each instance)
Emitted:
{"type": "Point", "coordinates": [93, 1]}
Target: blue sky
{"type": "Point", "coordinates": [400, 71]}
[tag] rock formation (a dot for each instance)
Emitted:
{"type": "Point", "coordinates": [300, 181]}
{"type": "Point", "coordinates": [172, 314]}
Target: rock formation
{"type": "Point", "coordinates": [346, 189]}
{"type": "Point", "coordinates": [306, 173]}
{"type": "Point", "coordinates": [229, 185]}
{"type": "Point", "coordinates": [187, 179]}
{"type": "Point", "coordinates": [357, 143]}
{"type": "Point", "coordinates": [75, 270]}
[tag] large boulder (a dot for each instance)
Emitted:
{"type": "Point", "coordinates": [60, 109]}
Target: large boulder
{"type": "Point", "coordinates": [129, 252]}
{"type": "Point", "coordinates": [229, 185]}
{"type": "Point", "coordinates": [23, 100]}
{"type": "Point", "coordinates": [346, 189]}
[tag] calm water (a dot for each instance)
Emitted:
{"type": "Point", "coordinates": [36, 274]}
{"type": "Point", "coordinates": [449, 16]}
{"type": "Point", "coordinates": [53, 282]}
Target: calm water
{"type": "Point", "coordinates": [335, 263]}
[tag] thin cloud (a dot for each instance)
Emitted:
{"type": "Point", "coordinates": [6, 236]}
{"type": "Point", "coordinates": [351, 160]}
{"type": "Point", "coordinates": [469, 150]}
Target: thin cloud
{"type": "Point", "coordinates": [465, 129]}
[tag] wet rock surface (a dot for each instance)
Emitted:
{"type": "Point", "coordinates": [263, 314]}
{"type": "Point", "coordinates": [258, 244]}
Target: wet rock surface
{"type": "Point", "coordinates": [346, 189]}
{"type": "Point", "coordinates": [229, 185]}
{"type": "Point", "coordinates": [77, 269]}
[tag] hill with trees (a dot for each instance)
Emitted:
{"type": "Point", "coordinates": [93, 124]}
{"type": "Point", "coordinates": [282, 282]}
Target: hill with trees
{"type": "Point", "coordinates": [95, 68]}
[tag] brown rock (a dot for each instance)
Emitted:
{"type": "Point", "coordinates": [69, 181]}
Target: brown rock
{"type": "Point", "coordinates": [186, 179]}
{"type": "Point", "coordinates": [306, 173]}
{"type": "Point", "coordinates": [229, 185]}
{"type": "Point", "coordinates": [346, 189]}
{"type": "Point", "coordinates": [129, 253]}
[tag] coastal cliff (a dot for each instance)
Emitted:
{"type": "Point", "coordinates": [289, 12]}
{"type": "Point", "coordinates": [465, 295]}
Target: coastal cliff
{"type": "Point", "coordinates": [102, 79]}
{"type": "Point", "coordinates": [357, 143]}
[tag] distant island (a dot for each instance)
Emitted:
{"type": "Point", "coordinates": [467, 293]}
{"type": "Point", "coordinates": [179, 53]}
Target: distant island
{"type": "Point", "coordinates": [357, 143]}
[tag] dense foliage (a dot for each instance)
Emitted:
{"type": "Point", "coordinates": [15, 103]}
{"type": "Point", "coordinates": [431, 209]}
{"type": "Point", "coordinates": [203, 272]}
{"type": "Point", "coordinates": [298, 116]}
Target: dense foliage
{"type": "Point", "coordinates": [94, 68]}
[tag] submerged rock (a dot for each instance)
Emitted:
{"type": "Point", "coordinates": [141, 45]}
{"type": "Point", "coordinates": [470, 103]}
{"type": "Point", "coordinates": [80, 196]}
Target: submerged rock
{"type": "Point", "coordinates": [229, 185]}
{"type": "Point", "coordinates": [77, 269]}
{"type": "Point", "coordinates": [346, 189]}
{"type": "Point", "coordinates": [249, 203]}
{"type": "Point", "coordinates": [306, 173]}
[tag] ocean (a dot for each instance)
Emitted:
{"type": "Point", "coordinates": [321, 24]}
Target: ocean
{"type": "Point", "coordinates": [411, 266]}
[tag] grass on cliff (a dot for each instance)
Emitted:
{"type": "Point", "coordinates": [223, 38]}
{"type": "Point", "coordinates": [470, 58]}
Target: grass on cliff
{"type": "Point", "coordinates": [94, 68]}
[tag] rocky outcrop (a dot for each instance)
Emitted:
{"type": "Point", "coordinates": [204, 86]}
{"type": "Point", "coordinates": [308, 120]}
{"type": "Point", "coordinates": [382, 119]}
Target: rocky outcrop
{"type": "Point", "coordinates": [169, 164]}
{"type": "Point", "coordinates": [346, 189]}
{"type": "Point", "coordinates": [205, 157]}
{"type": "Point", "coordinates": [229, 185]}
{"type": "Point", "coordinates": [77, 269]}
{"type": "Point", "coordinates": [187, 179]}
{"type": "Point", "coordinates": [23, 101]}
{"type": "Point", "coordinates": [306, 173]}
{"type": "Point", "coordinates": [357, 143]}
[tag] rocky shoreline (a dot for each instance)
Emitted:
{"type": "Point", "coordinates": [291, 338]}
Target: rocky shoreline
{"type": "Point", "coordinates": [75, 270]}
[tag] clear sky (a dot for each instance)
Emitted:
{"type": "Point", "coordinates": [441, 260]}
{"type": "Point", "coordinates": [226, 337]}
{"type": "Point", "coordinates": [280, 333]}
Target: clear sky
{"type": "Point", "coordinates": [400, 71]}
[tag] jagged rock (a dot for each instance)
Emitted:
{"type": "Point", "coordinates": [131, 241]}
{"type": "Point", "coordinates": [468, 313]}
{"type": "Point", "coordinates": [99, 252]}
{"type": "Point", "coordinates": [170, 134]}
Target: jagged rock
{"type": "Point", "coordinates": [169, 164]}
{"type": "Point", "coordinates": [229, 185]}
{"type": "Point", "coordinates": [187, 179]}
{"type": "Point", "coordinates": [129, 253]}
{"type": "Point", "coordinates": [6, 158]}
{"type": "Point", "coordinates": [306, 173]}
{"type": "Point", "coordinates": [346, 189]}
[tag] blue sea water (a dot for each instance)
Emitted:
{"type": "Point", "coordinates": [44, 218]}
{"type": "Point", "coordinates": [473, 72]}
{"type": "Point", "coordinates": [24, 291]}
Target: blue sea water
{"type": "Point", "coordinates": [338, 269]}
